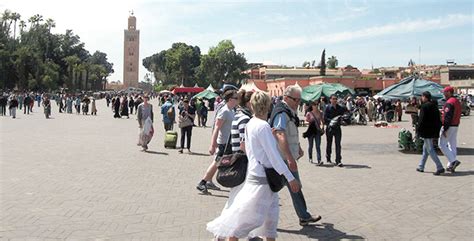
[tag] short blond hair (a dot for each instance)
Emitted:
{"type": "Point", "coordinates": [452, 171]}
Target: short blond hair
{"type": "Point", "coordinates": [260, 103]}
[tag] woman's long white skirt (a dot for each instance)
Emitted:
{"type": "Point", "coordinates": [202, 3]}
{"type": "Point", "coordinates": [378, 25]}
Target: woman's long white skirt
{"type": "Point", "coordinates": [253, 212]}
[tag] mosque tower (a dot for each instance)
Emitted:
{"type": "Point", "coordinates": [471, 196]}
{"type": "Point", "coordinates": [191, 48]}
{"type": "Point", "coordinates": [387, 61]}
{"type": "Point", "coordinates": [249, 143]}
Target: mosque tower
{"type": "Point", "coordinates": [131, 44]}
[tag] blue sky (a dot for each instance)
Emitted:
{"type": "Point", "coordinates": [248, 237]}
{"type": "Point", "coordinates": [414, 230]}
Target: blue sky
{"type": "Point", "coordinates": [360, 33]}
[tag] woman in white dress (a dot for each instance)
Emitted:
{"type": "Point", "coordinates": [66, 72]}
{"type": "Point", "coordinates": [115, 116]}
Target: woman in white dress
{"type": "Point", "coordinates": [255, 210]}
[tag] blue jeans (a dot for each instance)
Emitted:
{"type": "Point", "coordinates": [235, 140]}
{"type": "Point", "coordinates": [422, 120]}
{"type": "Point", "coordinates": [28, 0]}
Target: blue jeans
{"type": "Point", "coordinates": [311, 140]}
{"type": "Point", "coordinates": [298, 200]}
{"type": "Point", "coordinates": [428, 149]}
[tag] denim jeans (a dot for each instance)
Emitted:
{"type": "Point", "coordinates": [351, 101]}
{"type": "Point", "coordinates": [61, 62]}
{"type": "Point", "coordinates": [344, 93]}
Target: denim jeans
{"type": "Point", "coordinates": [186, 133]}
{"type": "Point", "coordinates": [311, 140]}
{"type": "Point", "coordinates": [428, 149]}
{"type": "Point", "coordinates": [298, 200]}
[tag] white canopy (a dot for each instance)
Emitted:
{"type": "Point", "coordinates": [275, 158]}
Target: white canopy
{"type": "Point", "coordinates": [210, 88]}
{"type": "Point", "coordinates": [250, 87]}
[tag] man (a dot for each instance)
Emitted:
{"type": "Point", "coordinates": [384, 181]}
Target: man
{"type": "Point", "coordinates": [169, 114]}
{"type": "Point", "coordinates": [26, 102]}
{"type": "Point", "coordinates": [333, 131]}
{"type": "Point", "coordinates": [429, 125]}
{"type": "Point", "coordinates": [284, 120]}
{"type": "Point", "coordinates": [3, 105]}
{"type": "Point", "coordinates": [451, 120]}
{"type": "Point", "coordinates": [13, 106]}
{"type": "Point", "coordinates": [220, 138]}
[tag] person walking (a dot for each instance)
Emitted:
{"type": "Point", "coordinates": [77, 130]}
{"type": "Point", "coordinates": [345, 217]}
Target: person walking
{"type": "Point", "coordinates": [3, 105]}
{"type": "Point", "coordinates": [47, 107]}
{"type": "Point", "coordinates": [26, 103]}
{"type": "Point", "coordinates": [13, 106]}
{"type": "Point", "coordinates": [69, 104]}
{"type": "Point", "coordinates": [186, 123]}
{"type": "Point", "coordinates": [85, 105]}
{"type": "Point", "coordinates": [398, 110]}
{"type": "Point", "coordinates": [448, 136]}
{"type": "Point", "coordinates": [131, 104]}
{"type": "Point", "coordinates": [93, 107]}
{"type": "Point", "coordinates": [116, 104]}
{"type": "Point", "coordinates": [144, 111]}
{"type": "Point", "coordinates": [219, 138]}
{"type": "Point", "coordinates": [314, 132]}
{"type": "Point", "coordinates": [428, 128]}
{"type": "Point", "coordinates": [77, 104]}
{"type": "Point", "coordinates": [124, 107]}
{"type": "Point", "coordinates": [204, 112]}
{"type": "Point", "coordinates": [169, 114]}
{"type": "Point", "coordinates": [284, 120]}
{"type": "Point", "coordinates": [254, 212]}
{"type": "Point", "coordinates": [333, 131]}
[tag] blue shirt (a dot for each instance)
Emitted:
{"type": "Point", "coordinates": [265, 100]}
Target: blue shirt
{"type": "Point", "coordinates": [164, 112]}
{"type": "Point", "coordinates": [279, 122]}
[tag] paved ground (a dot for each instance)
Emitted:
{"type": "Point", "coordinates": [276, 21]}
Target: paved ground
{"type": "Point", "coordinates": [83, 178]}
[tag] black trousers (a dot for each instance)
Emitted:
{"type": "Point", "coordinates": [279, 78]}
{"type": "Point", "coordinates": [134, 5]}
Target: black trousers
{"type": "Point", "coordinates": [335, 134]}
{"type": "Point", "coordinates": [186, 133]}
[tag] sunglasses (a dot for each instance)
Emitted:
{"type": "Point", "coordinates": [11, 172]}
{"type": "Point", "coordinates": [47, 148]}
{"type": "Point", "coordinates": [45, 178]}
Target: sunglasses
{"type": "Point", "coordinates": [294, 99]}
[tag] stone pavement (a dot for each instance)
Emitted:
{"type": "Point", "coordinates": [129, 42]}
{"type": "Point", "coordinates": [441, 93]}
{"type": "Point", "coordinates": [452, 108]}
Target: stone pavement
{"type": "Point", "coordinates": [83, 178]}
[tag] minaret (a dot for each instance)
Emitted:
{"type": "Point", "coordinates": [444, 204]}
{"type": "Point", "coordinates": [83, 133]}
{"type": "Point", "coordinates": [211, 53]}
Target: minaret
{"type": "Point", "coordinates": [131, 44]}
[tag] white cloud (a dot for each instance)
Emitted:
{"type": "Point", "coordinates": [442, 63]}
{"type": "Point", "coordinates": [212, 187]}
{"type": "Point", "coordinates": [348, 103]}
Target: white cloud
{"type": "Point", "coordinates": [405, 27]}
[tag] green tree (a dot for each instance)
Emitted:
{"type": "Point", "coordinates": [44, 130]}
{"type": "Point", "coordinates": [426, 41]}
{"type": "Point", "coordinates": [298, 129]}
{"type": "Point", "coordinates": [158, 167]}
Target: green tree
{"type": "Point", "coordinates": [222, 64]}
{"type": "Point", "coordinates": [306, 64]}
{"type": "Point", "coordinates": [322, 64]}
{"type": "Point", "coordinates": [332, 62]}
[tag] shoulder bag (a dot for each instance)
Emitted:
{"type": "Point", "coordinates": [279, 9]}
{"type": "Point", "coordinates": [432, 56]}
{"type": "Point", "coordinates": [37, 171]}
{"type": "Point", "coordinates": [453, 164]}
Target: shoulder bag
{"type": "Point", "coordinates": [232, 168]}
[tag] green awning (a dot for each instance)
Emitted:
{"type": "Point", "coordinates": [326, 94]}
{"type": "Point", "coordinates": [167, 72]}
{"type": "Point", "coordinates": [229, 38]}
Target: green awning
{"type": "Point", "coordinates": [314, 92]}
{"type": "Point", "coordinates": [410, 87]}
{"type": "Point", "coordinates": [206, 94]}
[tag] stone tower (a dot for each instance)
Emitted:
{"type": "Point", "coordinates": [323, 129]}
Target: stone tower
{"type": "Point", "coordinates": [131, 44]}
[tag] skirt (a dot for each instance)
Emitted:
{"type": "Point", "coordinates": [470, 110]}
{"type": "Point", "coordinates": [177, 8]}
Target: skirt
{"type": "Point", "coordinates": [253, 212]}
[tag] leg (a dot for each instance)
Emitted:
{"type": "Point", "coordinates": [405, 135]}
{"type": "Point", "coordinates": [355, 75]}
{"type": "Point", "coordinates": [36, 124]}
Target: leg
{"type": "Point", "coordinates": [318, 147]}
{"type": "Point", "coordinates": [338, 138]}
{"type": "Point", "coordinates": [328, 145]}
{"type": "Point", "coordinates": [188, 137]}
{"type": "Point", "coordinates": [432, 152]}
{"type": "Point", "coordinates": [183, 132]}
{"type": "Point", "coordinates": [299, 202]}
{"type": "Point", "coordinates": [453, 144]}
{"type": "Point", "coordinates": [310, 148]}
{"type": "Point", "coordinates": [443, 145]}
{"type": "Point", "coordinates": [424, 156]}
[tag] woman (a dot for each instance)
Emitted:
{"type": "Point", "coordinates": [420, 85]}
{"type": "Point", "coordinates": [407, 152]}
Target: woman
{"type": "Point", "coordinates": [124, 107]}
{"type": "Point", "coordinates": [144, 112]}
{"type": "Point", "coordinates": [186, 122]}
{"type": "Point", "coordinates": [47, 107]}
{"type": "Point", "coordinates": [93, 107]}
{"type": "Point", "coordinates": [116, 104]}
{"type": "Point", "coordinates": [255, 209]}
{"type": "Point", "coordinates": [315, 129]}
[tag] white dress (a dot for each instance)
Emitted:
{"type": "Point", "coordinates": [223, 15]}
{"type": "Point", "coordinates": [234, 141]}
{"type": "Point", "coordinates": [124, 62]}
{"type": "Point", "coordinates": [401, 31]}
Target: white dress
{"type": "Point", "coordinates": [254, 210]}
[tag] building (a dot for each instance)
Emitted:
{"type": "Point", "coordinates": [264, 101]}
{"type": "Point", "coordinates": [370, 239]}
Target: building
{"type": "Point", "coordinates": [131, 46]}
{"type": "Point", "coordinates": [459, 77]}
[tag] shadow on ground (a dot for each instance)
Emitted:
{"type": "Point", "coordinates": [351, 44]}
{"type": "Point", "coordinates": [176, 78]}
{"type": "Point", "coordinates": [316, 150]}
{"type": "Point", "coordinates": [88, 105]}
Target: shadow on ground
{"type": "Point", "coordinates": [324, 231]}
{"type": "Point", "coordinates": [462, 151]}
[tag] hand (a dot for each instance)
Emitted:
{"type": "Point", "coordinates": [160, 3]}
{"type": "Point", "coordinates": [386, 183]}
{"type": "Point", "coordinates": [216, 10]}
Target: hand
{"type": "Point", "coordinates": [292, 165]}
{"type": "Point", "coordinates": [295, 186]}
{"type": "Point", "coordinates": [212, 149]}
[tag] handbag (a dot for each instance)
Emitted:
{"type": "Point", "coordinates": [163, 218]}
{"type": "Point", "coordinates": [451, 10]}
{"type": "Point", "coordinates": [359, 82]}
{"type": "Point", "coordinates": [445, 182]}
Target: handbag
{"type": "Point", "coordinates": [275, 180]}
{"type": "Point", "coordinates": [232, 168]}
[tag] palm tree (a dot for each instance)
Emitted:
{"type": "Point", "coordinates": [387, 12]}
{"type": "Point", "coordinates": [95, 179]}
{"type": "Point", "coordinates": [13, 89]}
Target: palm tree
{"type": "Point", "coordinates": [15, 17]}
{"type": "Point", "coordinates": [6, 16]}
{"type": "Point", "coordinates": [332, 62]}
{"type": "Point", "coordinates": [50, 24]}
{"type": "Point", "coordinates": [71, 62]}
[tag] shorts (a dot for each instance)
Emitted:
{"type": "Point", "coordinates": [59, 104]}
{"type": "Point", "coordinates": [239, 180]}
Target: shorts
{"type": "Point", "coordinates": [221, 151]}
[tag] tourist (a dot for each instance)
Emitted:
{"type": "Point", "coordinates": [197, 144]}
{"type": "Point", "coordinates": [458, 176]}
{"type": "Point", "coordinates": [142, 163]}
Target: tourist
{"type": "Point", "coordinates": [46, 107]}
{"type": "Point", "coordinates": [124, 107]}
{"type": "Point", "coordinates": [241, 118]}
{"type": "Point", "coordinates": [144, 111]}
{"type": "Point", "coordinates": [315, 130]}
{"type": "Point", "coordinates": [204, 112]}
{"type": "Point", "coordinates": [449, 132]}
{"type": "Point", "coordinates": [398, 110]}
{"type": "Point", "coordinates": [13, 105]}
{"type": "Point", "coordinates": [137, 102]}
{"type": "Point", "coordinates": [116, 104]}
{"type": "Point", "coordinates": [27, 103]}
{"type": "Point", "coordinates": [220, 137]}
{"type": "Point", "coordinates": [38, 99]}
{"type": "Point", "coordinates": [3, 105]}
{"type": "Point", "coordinates": [93, 107]}
{"type": "Point", "coordinates": [186, 123]}
{"type": "Point", "coordinates": [85, 105]}
{"type": "Point", "coordinates": [69, 104]}
{"type": "Point", "coordinates": [131, 104]}
{"type": "Point", "coordinates": [169, 114]}
{"type": "Point", "coordinates": [428, 128]}
{"type": "Point", "coordinates": [255, 209]}
{"type": "Point", "coordinates": [20, 100]}
{"type": "Point", "coordinates": [284, 120]}
{"type": "Point", "coordinates": [77, 104]}
{"type": "Point", "coordinates": [333, 131]}
{"type": "Point", "coordinates": [198, 104]}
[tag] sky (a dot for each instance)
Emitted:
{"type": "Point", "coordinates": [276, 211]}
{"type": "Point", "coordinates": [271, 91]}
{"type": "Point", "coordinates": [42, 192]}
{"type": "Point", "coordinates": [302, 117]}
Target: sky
{"type": "Point", "coordinates": [362, 33]}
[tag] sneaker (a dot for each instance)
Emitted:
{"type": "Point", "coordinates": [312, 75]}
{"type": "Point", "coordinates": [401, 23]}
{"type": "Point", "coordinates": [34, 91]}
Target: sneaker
{"type": "Point", "coordinates": [438, 172]}
{"type": "Point", "coordinates": [310, 160]}
{"type": "Point", "coordinates": [320, 163]}
{"type": "Point", "coordinates": [340, 164]}
{"type": "Point", "coordinates": [455, 164]}
{"type": "Point", "coordinates": [180, 151]}
{"type": "Point", "coordinates": [201, 187]}
{"type": "Point", "coordinates": [419, 170]}
{"type": "Point", "coordinates": [212, 186]}
{"type": "Point", "coordinates": [305, 222]}
{"type": "Point", "coordinates": [328, 161]}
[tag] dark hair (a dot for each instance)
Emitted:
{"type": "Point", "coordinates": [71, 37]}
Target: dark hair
{"type": "Point", "coordinates": [228, 94]}
{"type": "Point", "coordinates": [333, 96]}
{"type": "Point", "coordinates": [244, 97]}
{"type": "Point", "coordinates": [427, 95]}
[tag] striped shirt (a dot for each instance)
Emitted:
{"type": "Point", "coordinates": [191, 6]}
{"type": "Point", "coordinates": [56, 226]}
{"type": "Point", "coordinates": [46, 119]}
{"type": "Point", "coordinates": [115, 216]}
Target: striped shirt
{"type": "Point", "coordinates": [241, 119]}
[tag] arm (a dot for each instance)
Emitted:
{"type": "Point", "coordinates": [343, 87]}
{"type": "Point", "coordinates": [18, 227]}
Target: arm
{"type": "Point", "coordinates": [268, 145]}
{"type": "Point", "coordinates": [215, 132]}
{"type": "Point", "coordinates": [448, 116]}
{"type": "Point", "coordinates": [139, 116]}
{"type": "Point", "coordinates": [285, 149]}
